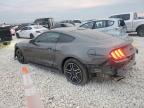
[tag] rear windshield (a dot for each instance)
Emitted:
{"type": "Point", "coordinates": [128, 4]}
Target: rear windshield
{"type": "Point", "coordinates": [122, 16]}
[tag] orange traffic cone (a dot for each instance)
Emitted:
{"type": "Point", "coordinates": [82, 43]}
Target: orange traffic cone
{"type": "Point", "coordinates": [32, 98]}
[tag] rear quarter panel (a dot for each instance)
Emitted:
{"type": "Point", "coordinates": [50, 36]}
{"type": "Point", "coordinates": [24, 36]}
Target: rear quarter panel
{"type": "Point", "coordinates": [79, 51]}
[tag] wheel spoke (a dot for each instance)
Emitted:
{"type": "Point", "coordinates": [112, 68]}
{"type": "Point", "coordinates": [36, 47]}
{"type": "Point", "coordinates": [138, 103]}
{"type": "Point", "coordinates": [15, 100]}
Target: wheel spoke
{"type": "Point", "coordinates": [76, 79]}
{"type": "Point", "coordinates": [69, 72]}
{"type": "Point", "coordinates": [73, 72]}
{"type": "Point", "coordinates": [76, 69]}
{"type": "Point", "coordinates": [71, 66]}
{"type": "Point", "coordinates": [20, 56]}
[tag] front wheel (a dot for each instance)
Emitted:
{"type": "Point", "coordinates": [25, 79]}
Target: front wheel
{"type": "Point", "coordinates": [140, 32]}
{"type": "Point", "coordinates": [75, 72]}
{"type": "Point", "coordinates": [20, 56]}
{"type": "Point", "coordinates": [17, 35]}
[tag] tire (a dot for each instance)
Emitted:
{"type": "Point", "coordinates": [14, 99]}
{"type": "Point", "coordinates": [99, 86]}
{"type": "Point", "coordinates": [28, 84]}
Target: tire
{"type": "Point", "coordinates": [20, 56]}
{"type": "Point", "coordinates": [140, 32]}
{"type": "Point", "coordinates": [31, 36]}
{"type": "Point", "coordinates": [17, 35]}
{"type": "Point", "coordinates": [75, 72]}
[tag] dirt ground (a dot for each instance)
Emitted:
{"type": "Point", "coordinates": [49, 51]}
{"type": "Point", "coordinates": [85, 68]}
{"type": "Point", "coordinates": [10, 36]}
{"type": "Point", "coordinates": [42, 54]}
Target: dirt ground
{"type": "Point", "coordinates": [56, 92]}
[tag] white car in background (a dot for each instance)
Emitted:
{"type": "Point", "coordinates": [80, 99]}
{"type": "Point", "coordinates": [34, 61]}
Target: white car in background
{"type": "Point", "coordinates": [112, 26]}
{"type": "Point", "coordinates": [134, 22]}
{"type": "Point", "coordinates": [30, 31]}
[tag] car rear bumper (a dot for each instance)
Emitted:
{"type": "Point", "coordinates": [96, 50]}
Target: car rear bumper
{"type": "Point", "coordinates": [110, 67]}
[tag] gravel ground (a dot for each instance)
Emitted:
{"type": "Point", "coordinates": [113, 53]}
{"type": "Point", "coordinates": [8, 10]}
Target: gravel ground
{"type": "Point", "coordinates": [56, 92]}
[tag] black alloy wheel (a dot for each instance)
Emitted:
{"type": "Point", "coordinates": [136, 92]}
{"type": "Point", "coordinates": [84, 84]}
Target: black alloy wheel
{"type": "Point", "coordinates": [75, 72]}
{"type": "Point", "coordinates": [20, 56]}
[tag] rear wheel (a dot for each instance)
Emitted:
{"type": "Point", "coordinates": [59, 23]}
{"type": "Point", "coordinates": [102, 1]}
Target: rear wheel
{"type": "Point", "coordinates": [31, 36]}
{"type": "Point", "coordinates": [20, 56]}
{"type": "Point", "coordinates": [17, 35]}
{"type": "Point", "coordinates": [75, 72]}
{"type": "Point", "coordinates": [140, 32]}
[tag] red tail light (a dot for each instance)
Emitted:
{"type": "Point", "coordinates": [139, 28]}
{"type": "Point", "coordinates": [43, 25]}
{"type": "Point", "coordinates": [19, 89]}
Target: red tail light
{"type": "Point", "coordinates": [118, 54]}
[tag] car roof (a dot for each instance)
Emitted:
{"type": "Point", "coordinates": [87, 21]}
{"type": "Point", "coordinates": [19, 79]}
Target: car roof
{"type": "Point", "coordinates": [88, 21]}
{"type": "Point", "coordinates": [82, 33]}
{"type": "Point", "coordinates": [115, 19]}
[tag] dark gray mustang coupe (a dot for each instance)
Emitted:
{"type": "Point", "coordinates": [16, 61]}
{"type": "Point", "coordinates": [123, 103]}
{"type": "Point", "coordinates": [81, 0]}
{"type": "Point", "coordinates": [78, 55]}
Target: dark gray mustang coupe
{"type": "Point", "coordinates": [77, 53]}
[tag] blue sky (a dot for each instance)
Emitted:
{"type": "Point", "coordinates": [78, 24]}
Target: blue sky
{"type": "Point", "coordinates": [16, 11]}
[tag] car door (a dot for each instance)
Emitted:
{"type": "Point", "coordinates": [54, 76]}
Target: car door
{"type": "Point", "coordinates": [107, 26]}
{"type": "Point", "coordinates": [25, 32]}
{"type": "Point", "coordinates": [65, 42]}
{"type": "Point", "coordinates": [42, 50]}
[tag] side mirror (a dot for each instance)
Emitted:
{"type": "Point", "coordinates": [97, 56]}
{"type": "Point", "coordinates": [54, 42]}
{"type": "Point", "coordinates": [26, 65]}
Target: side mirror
{"type": "Point", "coordinates": [31, 41]}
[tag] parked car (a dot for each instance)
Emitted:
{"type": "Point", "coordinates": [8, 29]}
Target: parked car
{"type": "Point", "coordinates": [59, 25]}
{"type": "Point", "coordinates": [112, 26]}
{"type": "Point", "coordinates": [21, 26]}
{"type": "Point", "coordinates": [30, 31]}
{"type": "Point", "coordinates": [77, 22]}
{"type": "Point", "coordinates": [45, 22]}
{"type": "Point", "coordinates": [77, 53]}
{"type": "Point", "coordinates": [134, 22]}
{"type": "Point", "coordinates": [68, 21]}
{"type": "Point", "coordinates": [5, 35]}
{"type": "Point", "coordinates": [74, 22]}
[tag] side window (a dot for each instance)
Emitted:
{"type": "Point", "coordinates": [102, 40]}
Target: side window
{"type": "Point", "coordinates": [122, 16]}
{"type": "Point", "coordinates": [109, 23]}
{"type": "Point", "coordinates": [65, 38]}
{"type": "Point", "coordinates": [48, 37]}
{"type": "Point", "coordinates": [100, 24]}
{"type": "Point", "coordinates": [25, 28]}
{"type": "Point", "coordinates": [125, 16]}
{"type": "Point", "coordinates": [115, 16]}
{"type": "Point", "coordinates": [29, 28]}
{"type": "Point", "coordinates": [87, 25]}
{"type": "Point", "coordinates": [63, 25]}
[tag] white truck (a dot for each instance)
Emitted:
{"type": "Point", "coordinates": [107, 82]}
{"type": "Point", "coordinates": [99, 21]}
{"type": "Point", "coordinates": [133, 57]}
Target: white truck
{"type": "Point", "coordinates": [134, 22]}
